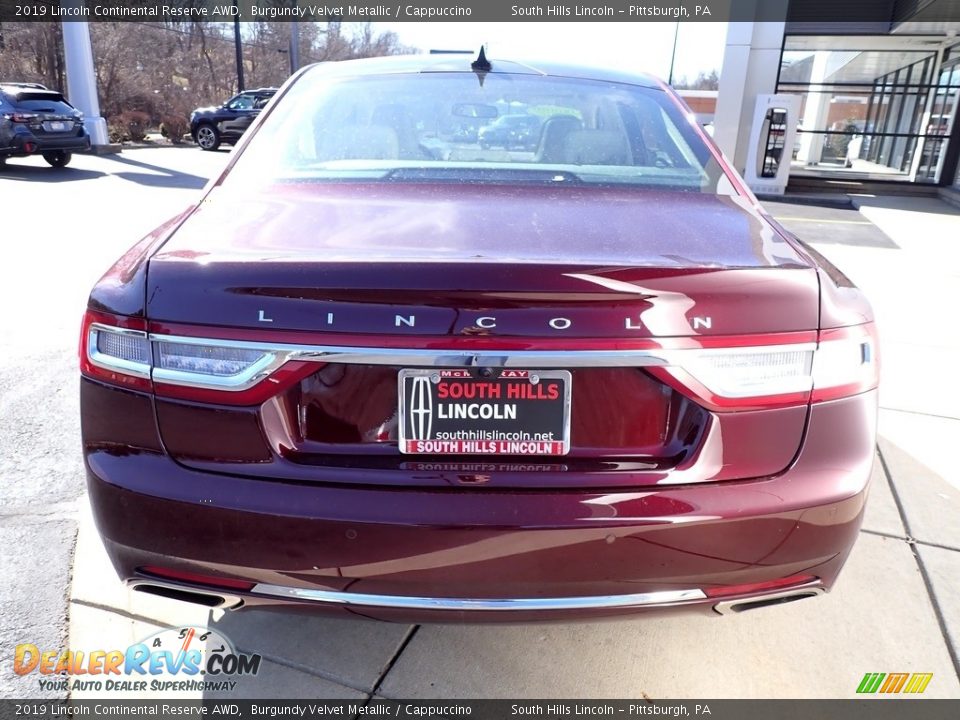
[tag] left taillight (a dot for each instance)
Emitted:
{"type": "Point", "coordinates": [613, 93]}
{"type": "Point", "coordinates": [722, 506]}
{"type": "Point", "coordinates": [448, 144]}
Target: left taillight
{"type": "Point", "coordinates": [20, 117]}
{"type": "Point", "coordinates": [188, 363]}
{"type": "Point", "coordinates": [116, 350]}
{"type": "Point", "coordinates": [120, 351]}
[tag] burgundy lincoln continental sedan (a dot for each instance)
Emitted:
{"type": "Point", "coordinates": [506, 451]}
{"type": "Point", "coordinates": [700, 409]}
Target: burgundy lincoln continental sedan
{"type": "Point", "coordinates": [379, 370]}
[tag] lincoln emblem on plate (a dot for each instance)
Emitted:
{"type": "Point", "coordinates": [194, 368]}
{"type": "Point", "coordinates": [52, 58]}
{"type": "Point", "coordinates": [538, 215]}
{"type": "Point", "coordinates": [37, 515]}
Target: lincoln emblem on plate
{"type": "Point", "coordinates": [421, 408]}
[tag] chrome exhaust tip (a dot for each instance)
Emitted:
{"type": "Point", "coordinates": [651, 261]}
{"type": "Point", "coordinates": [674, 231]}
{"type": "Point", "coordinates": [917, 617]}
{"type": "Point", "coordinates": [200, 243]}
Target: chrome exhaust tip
{"type": "Point", "coordinates": [732, 607]}
{"type": "Point", "coordinates": [174, 592]}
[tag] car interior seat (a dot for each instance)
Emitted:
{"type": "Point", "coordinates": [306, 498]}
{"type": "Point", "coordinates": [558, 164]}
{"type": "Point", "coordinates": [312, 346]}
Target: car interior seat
{"type": "Point", "coordinates": [596, 147]}
{"type": "Point", "coordinates": [359, 142]}
{"type": "Point", "coordinates": [397, 118]}
{"type": "Point", "coordinates": [552, 136]}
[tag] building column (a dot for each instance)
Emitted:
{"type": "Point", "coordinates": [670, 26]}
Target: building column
{"type": "Point", "coordinates": [929, 104]}
{"type": "Point", "coordinates": [81, 79]}
{"type": "Point", "coordinates": [751, 63]}
{"type": "Point", "coordinates": [815, 114]}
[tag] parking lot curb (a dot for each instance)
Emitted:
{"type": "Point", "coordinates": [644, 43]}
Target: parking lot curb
{"type": "Point", "coordinates": [110, 149]}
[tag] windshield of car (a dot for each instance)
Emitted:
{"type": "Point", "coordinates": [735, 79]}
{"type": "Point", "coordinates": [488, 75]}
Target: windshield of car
{"type": "Point", "coordinates": [44, 103]}
{"type": "Point", "coordinates": [458, 127]}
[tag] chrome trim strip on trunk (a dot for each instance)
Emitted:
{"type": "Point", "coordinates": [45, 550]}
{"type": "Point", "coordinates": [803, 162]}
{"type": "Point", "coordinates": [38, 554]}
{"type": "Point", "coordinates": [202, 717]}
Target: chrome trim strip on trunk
{"type": "Point", "coordinates": [423, 357]}
{"type": "Point", "coordinates": [278, 354]}
{"type": "Point", "coordinates": [597, 602]}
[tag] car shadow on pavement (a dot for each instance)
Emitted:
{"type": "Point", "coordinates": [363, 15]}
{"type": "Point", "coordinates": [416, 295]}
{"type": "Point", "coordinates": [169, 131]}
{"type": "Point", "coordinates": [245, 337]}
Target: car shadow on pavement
{"type": "Point", "coordinates": [32, 173]}
{"type": "Point", "coordinates": [158, 176]}
{"type": "Point", "coordinates": [310, 653]}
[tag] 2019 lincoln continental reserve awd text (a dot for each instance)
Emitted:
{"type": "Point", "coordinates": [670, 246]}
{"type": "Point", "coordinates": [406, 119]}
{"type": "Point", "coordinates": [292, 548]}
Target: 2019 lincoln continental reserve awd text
{"type": "Point", "coordinates": [381, 369]}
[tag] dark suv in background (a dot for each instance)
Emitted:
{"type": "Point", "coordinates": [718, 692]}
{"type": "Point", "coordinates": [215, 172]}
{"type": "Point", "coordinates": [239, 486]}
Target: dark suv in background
{"type": "Point", "coordinates": [211, 126]}
{"type": "Point", "coordinates": [34, 119]}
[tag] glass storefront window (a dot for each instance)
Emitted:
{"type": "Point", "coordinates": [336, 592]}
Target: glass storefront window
{"type": "Point", "coordinates": [944, 117]}
{"type": "Point", "coordinates": [882, 113]}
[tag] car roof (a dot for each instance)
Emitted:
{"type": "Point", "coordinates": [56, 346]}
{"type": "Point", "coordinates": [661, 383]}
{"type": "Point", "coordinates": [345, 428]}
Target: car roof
{"type": "Point", "coordinates": [16, 91]}
{"type": "Point", "coordinates": [18, 88]}
{"type": "Point", "coordinates": [29, 85]}
{"type": "Point", "coordinates": [461, 63]}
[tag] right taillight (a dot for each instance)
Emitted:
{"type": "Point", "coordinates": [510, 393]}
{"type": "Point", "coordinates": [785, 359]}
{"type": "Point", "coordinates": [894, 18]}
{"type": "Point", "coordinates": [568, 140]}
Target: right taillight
{"type": "Point", "coordinates": [753, 372]}
{"type": "Point", "coordinates": [846, 362]}
{"type": "Point", "coordinates": [835, 363]}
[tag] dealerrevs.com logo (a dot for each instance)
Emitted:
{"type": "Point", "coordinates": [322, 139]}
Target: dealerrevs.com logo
{"type": "Point", "coordinates": [187, 659]}
{"type": "Point", "coordinates": [890, 683]}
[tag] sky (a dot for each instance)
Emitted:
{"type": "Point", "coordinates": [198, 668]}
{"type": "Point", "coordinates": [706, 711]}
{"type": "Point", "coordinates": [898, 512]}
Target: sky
{"type": "Point", "coordinates": [630, 46]}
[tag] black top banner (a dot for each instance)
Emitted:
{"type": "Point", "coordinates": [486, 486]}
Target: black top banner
{"type": "Point", "coordinates": [850, 11]}
{"type": "Point", "coordinates": [886, 12]}
{"type": "Point", "coordinates": [391, 10]}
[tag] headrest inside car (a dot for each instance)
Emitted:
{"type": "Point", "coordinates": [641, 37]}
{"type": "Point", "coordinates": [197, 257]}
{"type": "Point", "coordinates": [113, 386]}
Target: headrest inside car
{"type": "Point", "coordinates": [596, 147]}
{"type": "Point", "coordinates": [359, 142]}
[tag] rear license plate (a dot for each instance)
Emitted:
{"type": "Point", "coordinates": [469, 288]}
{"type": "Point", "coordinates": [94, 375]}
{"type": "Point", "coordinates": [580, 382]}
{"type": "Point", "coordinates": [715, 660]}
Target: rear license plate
{"type": "Point", "coordinates": [54, 126]}
{"type": "Point", "coordinates": [460, 412]}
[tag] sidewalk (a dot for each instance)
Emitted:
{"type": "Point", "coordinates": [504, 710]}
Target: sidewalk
{"type": "Point", "coordinates": [896, 607]}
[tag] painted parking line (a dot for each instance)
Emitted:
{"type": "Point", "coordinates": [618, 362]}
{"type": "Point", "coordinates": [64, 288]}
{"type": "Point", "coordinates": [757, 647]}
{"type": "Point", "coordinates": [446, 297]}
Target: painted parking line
{"type": "Point", "coordinates": [819, 220]}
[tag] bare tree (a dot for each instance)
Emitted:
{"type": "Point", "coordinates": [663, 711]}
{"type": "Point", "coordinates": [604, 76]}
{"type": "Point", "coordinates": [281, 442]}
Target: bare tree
{"type": "Point", "coordinates": [32, 52]}
{"type": "Point", "coordinates": [704, 81]}
{"type": "Point", "coordinates": [164, 68]}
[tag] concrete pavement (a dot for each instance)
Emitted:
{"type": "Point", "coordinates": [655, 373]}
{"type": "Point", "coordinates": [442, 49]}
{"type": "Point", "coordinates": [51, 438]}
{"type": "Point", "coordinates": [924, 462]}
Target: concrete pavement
{"type": "Point", "coordinates": [904, 253]}
{"type": "Point", "coordinates": [895, 609]}
{"type": "Point", "coordinates": [61, 229]}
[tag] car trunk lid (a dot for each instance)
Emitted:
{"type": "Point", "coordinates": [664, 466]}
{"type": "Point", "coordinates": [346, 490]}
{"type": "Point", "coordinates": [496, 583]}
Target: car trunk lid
{"type": "Point", "coordinates": [429, 266]}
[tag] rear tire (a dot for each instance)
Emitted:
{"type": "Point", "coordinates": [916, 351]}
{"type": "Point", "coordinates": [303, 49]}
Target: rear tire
{"type": "Point", "coordinates": [208, 137]}
{"type": "Point", "coordinates": [58, 159]}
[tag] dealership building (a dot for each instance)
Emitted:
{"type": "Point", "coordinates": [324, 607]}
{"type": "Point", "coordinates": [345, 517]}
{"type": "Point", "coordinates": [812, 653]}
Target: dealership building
{"type": "Point", "coordinates": [874, 86]}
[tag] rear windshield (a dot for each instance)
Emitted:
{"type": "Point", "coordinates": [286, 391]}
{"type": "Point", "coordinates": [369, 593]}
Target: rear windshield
{"type": "Point", "coordinates": [458, 127]}
{"type": "Point", "coordinates": [45, 103]}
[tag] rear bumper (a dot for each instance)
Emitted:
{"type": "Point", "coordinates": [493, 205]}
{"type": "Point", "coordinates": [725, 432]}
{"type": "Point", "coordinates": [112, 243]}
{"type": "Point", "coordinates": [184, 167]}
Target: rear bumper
{"type": "Point", "coordinates": [25, 143]}
{"type": "Point", "coordinates": [486, 555]}
{"type": "Point", "coordinates": [71, 145]}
